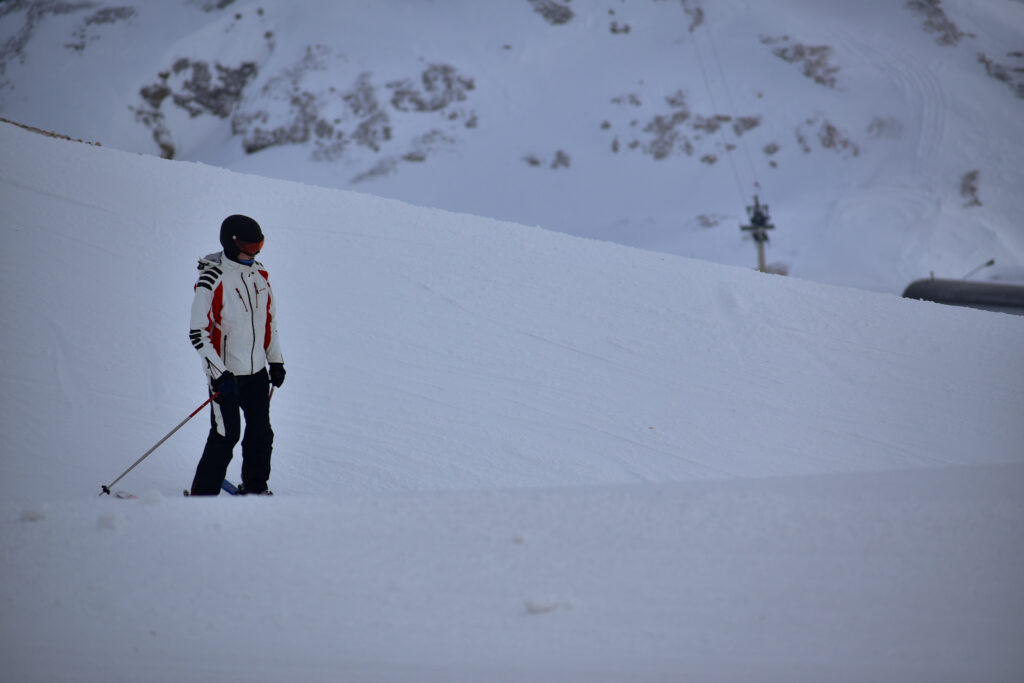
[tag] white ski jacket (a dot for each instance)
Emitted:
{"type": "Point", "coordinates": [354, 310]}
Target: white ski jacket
{"type": "Point", "coordinates": [234, 321]}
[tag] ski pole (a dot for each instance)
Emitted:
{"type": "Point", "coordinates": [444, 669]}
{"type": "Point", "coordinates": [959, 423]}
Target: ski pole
{"type": "Point", "coordinates": [106, 489]}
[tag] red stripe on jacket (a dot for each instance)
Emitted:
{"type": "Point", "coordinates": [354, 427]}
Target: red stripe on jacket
{"type": "Point", "coordinates": [266, 332]}
{"type": "Point", "coordinates": [214, 316]}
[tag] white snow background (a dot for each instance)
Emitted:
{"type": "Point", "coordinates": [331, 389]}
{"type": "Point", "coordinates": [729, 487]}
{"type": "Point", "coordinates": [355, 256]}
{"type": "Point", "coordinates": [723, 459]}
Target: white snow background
{"type": "Point", "coordinates": [502, 453]}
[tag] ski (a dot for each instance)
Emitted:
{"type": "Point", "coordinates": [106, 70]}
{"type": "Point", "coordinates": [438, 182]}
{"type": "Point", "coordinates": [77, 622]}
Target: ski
{"type": "Point", "coordinates": [124, 495]}
{"type": "Point", "coordinates": [225, 486]}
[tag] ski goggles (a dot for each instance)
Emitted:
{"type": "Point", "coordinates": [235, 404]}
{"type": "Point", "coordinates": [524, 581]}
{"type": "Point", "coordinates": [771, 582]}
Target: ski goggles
{"type": "Point", "coordinates": [251, 248]}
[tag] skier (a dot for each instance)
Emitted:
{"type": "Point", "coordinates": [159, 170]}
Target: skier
{"type": "Point", "coordinates": [234, 329]}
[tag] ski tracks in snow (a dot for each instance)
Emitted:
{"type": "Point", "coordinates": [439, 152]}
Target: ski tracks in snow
{"type": "Point", "coordinates": [924, 97]}
{"type": "Point", "coordinates": [905, 193]}
{"type": "Point", "coordinates": [927, 101]}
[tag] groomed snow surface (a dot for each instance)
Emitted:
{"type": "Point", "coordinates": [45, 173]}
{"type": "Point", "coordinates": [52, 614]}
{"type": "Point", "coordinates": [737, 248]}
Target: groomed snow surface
{"type": "Point", "coordinates": [502, 453]}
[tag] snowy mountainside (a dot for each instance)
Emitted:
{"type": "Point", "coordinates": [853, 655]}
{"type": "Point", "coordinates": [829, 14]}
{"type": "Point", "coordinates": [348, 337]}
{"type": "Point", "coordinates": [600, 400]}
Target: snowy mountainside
{"type": "Point", "coordinates": [501, 453]}
{"type": "Point", "coordinates": [883, 135]}
{"type": "Point", "coordinates": [475, 352]}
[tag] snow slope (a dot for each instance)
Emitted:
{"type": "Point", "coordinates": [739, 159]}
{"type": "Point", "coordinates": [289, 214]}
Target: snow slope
{"type": "Point", "coordinates": [502, 453]}
{"type": "Point", "coordinates": [885, 136]}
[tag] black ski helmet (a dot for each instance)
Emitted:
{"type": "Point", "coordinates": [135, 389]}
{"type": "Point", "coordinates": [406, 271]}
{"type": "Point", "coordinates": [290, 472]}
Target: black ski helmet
{"type": "Point", "coordinates": [238, 228]}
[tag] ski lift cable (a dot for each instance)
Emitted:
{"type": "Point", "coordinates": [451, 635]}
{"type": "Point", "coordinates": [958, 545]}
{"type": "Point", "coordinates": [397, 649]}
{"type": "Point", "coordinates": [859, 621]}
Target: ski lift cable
{"type": "Point", "coordinates": [714, 104]}
{"type": "Point", "coordinates": [732, 107]}
{"type": "Point", "coordinates": [728, 92]}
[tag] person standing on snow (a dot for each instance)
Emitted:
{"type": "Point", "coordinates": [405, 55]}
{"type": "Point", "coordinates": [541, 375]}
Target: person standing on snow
{"type": "Point", "coordinates": [234, 329]}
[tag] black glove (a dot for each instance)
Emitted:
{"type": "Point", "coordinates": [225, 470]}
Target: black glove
{"type": "Point", "coordinates": [225, 385]}
{"type": "Point", "coordinates": [277, 374]}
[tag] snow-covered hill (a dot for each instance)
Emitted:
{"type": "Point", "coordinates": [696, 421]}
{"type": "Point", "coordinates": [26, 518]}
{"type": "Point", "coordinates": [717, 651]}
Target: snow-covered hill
{"type": "Point", "coordinates": [502, 453]}
{"type": "Point", "coordinates": [885, 136]}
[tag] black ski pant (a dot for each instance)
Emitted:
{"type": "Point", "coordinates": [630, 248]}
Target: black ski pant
{"type": "Point", "coordinates": [252, 400]}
